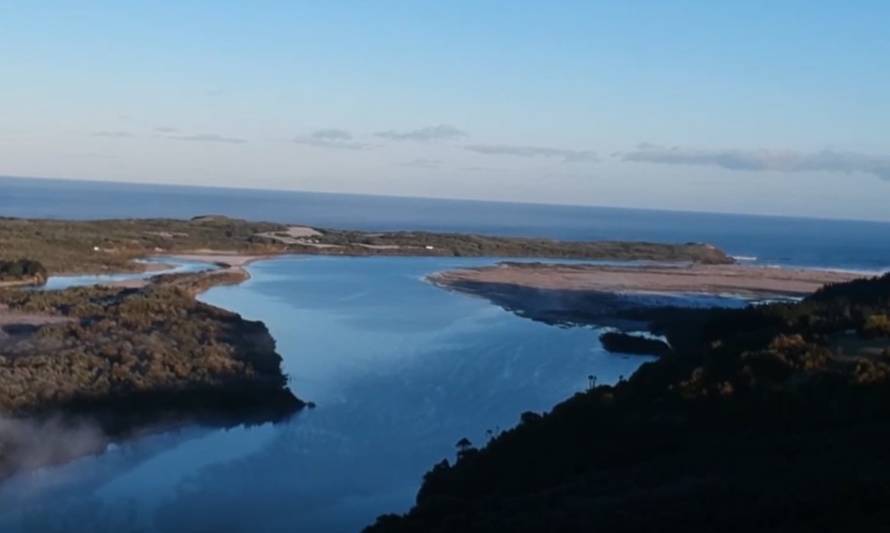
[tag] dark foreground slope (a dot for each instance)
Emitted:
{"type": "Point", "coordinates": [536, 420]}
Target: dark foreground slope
{"type": "Point", "coordinates": [772, 418]}
{"type": "Point", "coordinates": [121, 361]}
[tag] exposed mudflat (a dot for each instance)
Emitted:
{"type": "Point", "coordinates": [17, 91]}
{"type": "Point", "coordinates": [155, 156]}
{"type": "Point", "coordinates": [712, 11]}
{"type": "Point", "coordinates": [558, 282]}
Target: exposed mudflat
{"type": "Point", "coordinates": [706, 279]}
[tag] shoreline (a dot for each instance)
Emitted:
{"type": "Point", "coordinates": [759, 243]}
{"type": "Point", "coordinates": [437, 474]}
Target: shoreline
{"type": "Point", "coordinates": [233, 378]}
{"type": "Point", "coordinates": [747, 281]}
{"type": "Point", "coordinates": [233, 270]}
{"type": "Point", "coordinates": [795, 393]}
{"type": "Point", "coordinates": [230, 264]}
{"type": "Point", "coordinates": [623, 298]}
{"type": "Point", "coordinates": [105, 246]}
{"type": "Point", "coordinates": [758, 282]}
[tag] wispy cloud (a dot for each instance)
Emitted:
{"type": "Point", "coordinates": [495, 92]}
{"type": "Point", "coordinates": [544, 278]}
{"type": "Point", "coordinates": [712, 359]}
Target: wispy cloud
{"type": "Point", "coordinates": [442, 132]}
{"type": "Point", "coordinates": [207, 138]}
{"type": "Point", "coordinates": [115, 134]}
{"type": "Point", "coordinates": [764, 160]}
{"type": "Point", "coordinates": [332, 134]}
{"type": "Point", "coordinates": [481, 169]}
{"type": "Point", "coordinates": [569, 156]}
{"type": "Point", "coordinates": [331, 138]}
{"type": "Point", "coordinates": [423, 163]}
{"type": "Point", "coordinates": [90, 155]}
{"type": "Point", "coordinates": [167, 130]}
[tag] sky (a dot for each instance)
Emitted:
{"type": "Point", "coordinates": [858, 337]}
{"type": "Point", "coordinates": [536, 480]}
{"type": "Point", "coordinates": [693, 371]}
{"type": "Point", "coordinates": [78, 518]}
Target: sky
{"type": "Point", "coordinates": [749, 107]}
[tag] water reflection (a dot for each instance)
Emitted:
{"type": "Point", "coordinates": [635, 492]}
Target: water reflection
{"type": "Point", "coordinates": [156, 266]}
{"type": "Point", "coordinates": [400, 371]}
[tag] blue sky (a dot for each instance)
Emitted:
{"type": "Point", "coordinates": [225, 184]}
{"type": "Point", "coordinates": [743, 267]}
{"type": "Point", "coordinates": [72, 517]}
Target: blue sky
{"type": "Point", "coordinates": [758, 107]}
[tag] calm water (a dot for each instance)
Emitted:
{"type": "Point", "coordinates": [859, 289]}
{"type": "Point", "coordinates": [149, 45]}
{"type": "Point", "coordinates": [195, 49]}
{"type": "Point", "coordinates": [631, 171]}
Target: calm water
{"type": "Point", "coordinates": [772, 240]}
{"type": "Point", "coordinates": [400, 371]}
{"type": "Point", "coordinates": [172, 266]}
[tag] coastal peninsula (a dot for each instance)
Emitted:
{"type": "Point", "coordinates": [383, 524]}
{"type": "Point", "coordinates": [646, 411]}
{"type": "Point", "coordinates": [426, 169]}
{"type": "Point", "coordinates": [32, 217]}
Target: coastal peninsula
{"type": "Point", "coordinates": [105, 246]}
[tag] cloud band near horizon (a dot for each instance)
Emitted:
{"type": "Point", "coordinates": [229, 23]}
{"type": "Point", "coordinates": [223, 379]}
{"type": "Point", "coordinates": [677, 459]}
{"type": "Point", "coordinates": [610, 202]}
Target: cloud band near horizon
{"type": "Point", "coordinates": [442, 132]}
{"type": "Point", "coordinates": [763, 160]}
{"type": "Point", "coordinates": [568, 156]}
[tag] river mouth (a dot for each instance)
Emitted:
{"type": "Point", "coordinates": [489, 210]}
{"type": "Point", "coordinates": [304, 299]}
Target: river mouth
{"type": "Point", "coordinates": [400, 370]}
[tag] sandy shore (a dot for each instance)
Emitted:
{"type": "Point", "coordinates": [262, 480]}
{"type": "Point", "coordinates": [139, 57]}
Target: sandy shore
{"type": "Point", "coordinates": [230, 263]}
{"type": "Point", "coordinates": [707, 279]}
{"type": "Point", "coordinates": [226, 259]}
{"type": "Point", "coordinates": [20, 283]}
{"type": "Point", "coordinates": [155, 267]}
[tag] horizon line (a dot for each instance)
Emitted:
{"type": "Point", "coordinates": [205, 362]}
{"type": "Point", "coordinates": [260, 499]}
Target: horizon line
{"type": "Point", "coordinates": [446, 199]}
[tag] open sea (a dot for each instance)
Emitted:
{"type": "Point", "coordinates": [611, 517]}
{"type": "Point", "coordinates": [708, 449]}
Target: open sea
{"type": "Point", "coordinates": [769, 240]}
{"type": "Point", "coordinates": [400, 370]}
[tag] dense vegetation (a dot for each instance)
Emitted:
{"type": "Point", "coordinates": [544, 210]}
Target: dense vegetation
{"type": "Point", "coordinates": [127, 358]}
{"type": "Point", "coordinates": [454, 244]}
{"type": "Point", "coordinates": [124, 341]}
{"type": "Point", "coordinates": [111, 245]}
{"type": "Point", "coordinates": [22, 270]}
{"type": "Point", "coordinates": [771, 418]}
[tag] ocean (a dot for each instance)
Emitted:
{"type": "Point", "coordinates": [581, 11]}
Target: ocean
{"type": "Point", "coordinates": [856, 245]}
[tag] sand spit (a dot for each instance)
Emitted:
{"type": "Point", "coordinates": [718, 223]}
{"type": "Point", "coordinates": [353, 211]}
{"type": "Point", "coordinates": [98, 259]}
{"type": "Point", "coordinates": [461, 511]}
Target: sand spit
{"type": "Point", "coordinates": [746, 280]}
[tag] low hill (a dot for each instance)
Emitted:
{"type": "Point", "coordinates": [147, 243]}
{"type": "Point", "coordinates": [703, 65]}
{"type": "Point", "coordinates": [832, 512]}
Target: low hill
{"type": "Point", "coordinates": [99, 246]}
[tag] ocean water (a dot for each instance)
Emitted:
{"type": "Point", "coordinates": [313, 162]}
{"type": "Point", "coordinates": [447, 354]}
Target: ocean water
{"type": "Point", "coordinates": [767, 240]}
{"type": "Point", "coordinates": [400, 371]}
